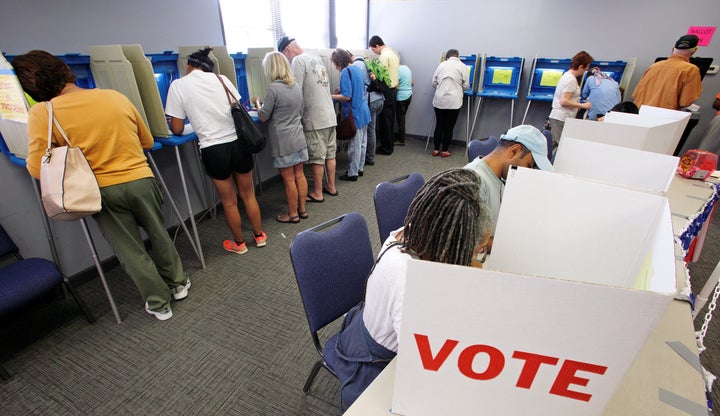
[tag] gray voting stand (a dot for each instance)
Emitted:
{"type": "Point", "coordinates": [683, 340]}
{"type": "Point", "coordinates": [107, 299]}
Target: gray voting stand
{"type": "Point", "coordinates": [125, 68]}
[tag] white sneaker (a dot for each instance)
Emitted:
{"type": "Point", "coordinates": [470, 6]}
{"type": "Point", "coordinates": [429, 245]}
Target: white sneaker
{"type": "Point", "coordinates": [163, 314]}
{"type": "Point", "coordinates": [181, 291]}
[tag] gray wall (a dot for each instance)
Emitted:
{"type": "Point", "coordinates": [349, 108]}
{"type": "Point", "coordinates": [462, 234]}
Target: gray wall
{"type": "Point", "coordinates": [419, 29]}
{"type": "Point", "coordinates": [608, 30]}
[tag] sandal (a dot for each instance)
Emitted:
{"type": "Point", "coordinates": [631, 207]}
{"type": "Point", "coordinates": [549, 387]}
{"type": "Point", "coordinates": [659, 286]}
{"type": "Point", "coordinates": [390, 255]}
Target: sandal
{"type": "Point", "coordinates": [435, 153]}
{"type": "Point", "coordinates": [287, 218]}
{"type": "Point", "coordinates": [303, 215]}
{"type": "Point", "coordinates": [445, 154]}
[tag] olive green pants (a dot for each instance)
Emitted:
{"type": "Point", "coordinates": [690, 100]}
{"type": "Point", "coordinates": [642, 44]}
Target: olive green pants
{"type": "Point", "coordinates": [125, 208]}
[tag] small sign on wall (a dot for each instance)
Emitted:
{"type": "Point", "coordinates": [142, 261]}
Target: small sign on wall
{"type": "Point", "coordinates": [705, 33]}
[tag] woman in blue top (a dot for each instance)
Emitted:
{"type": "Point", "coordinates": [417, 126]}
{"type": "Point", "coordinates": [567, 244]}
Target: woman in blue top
{"type": "Point", "coordinates": [351, 94]}
{"type": "Point", "coordinates": [602, 91]}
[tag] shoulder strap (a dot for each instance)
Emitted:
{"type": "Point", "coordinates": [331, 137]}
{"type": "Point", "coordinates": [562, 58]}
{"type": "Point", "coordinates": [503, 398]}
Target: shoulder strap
{"type": "Point", "coordinates": [230, 97]}
{"type": "Point", "coordinates": [51, 119]}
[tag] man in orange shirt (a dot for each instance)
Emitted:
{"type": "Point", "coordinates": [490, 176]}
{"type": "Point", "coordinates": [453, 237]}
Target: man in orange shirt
{"type": "Point", "coordinates": [673, 83]}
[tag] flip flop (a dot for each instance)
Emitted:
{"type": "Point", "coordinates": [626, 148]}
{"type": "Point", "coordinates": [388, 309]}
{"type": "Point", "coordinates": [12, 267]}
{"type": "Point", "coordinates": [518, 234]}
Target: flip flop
{"type": "Point", "coordinates": [310, 198]}
{"type": "Point", "coordinates": [325, 191]}
{"type": "Point", "coordinates": [303, 214]}
{"type": "Point", "coordinates": [290, 219]}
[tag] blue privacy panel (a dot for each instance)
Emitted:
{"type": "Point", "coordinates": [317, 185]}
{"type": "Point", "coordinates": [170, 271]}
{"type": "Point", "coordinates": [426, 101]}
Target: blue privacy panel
{"type": "Point", "coordinates": [545, 76]}
{"type": "Point", "coordinates": [501, 77]}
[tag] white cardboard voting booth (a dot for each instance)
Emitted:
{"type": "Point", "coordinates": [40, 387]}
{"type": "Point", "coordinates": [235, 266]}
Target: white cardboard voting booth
{"type": "Point", "coordinates": [13, 110]}
{"type": "Point", "coordinates": [614, 164]}
{"type": "Point", "coordinates": [587, 269]}
{"type": "Point", "coordinates": [655, 130]}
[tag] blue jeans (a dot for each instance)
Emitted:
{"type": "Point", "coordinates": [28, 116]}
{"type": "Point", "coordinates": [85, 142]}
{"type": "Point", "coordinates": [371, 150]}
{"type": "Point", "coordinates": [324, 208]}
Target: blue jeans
{"type": "Point", "coordinates": [375, 109]}
{"type": "Point", "coordinates": [356, 151]}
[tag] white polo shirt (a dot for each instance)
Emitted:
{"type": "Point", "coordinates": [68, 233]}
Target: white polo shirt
{"type": "Point", "coordinates": [201, 98]}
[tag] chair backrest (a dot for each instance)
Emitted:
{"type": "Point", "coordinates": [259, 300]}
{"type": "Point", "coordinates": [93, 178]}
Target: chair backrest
{"type": "Point", "coordinates": [331, 263]}
{"type": "Point", "coordinates": [548, 137]}
{"type": "Point", "coordinates": [7, 246]}
{"type": "Point", "coordinates": [481, 148]}
{"type": "Point", "coordinates": [392, 200]}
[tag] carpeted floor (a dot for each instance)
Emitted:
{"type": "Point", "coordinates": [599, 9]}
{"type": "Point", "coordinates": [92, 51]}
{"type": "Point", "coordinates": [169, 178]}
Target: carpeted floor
{"type": "Point", "coordinates": [238, 345]}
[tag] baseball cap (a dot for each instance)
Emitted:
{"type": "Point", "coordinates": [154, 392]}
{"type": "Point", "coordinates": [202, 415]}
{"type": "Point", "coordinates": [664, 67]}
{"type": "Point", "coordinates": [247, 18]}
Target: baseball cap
{"type": "Point", "coordinates": [283, 43]}
{"type": "Point", "coordinates": [534, 141]}
{"type": "Point", "coordinates": [687, 42]}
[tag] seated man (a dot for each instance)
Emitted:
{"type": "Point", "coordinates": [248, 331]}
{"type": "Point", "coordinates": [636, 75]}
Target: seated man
{"type": "Point", "coordinates": [447, 222]}
{"type": "Point", "coordinates": [521, 146]}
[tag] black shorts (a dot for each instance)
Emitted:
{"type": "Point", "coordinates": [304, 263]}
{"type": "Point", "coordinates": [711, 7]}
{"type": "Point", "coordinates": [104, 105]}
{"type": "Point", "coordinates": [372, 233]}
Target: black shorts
{"type": "Point", "coordinates": [221, 160]}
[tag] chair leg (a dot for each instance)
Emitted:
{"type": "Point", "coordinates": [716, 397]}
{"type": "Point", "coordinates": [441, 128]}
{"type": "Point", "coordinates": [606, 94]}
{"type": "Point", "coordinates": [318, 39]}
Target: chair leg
{"type": "Point", "coordinates": [311, 377]}
{"type": "Point", "coordinates": [81, 304]}
{"type": "Point", "coordinates": [4, 373]}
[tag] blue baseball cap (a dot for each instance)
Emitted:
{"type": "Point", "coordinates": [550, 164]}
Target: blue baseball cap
{"type": "Point", "coordinates": [534, 141]}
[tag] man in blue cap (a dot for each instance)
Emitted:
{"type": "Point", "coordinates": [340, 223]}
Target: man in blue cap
{"type": "Point", "coordinates": [521, 146]}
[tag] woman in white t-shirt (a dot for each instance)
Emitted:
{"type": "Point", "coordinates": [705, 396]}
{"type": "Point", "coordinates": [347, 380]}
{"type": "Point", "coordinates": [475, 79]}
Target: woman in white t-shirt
{"type": "Point", "coordinates": [447, 222]}
{"type": "Point", "coordinates": [200, 96]}
{"type": "Point", "coordinates": [566, 101]}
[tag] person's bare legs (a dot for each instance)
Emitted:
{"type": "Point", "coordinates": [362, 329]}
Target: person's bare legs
{"type": "Point", "coordinates": [291, 190]}
{"type": "Point", "coordinates": [330, 167]}
{"type": "Point", "coordinates": [317, 174]}
{"type": "Point", "coordinates": [246, 189]}
{"type": "Point", "coordinates": [228, 197]}
{"type": "Point", "coordinates": [301, 185]}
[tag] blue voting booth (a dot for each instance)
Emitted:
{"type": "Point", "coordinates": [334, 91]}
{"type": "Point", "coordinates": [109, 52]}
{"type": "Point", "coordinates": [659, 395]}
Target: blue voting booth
{"type": "Point", "coordinates": [241, 73]}
{"type": "Point", "coordinates": [166, 71]}
{"type": "Point", "coordinates": [546, 73]}
{"type": "Point", "coordinates": [471, 62]}
{"type": "Point", "coordinates": [499, 78]}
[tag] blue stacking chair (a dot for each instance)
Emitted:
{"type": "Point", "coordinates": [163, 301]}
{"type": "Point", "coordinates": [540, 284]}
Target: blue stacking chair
{"type": "Point", "coordinates": [392, 200]}
{"type": "Point", "coordinates": [26, 281]}
{"type": "Point", "coordinates": [331, 262]}
{"type": "Point", "coordinates": [481, 148]}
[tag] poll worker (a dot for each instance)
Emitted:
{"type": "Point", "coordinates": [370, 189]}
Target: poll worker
{"type": "Point", "coordinates": [523, 146]}
{"type": "Point", "coordinates": [200, 97]}
{"type": "Point", "coordinates": [450, 81]}
{"type": "Point", "coordinates": [602, 91]}
{"type": "Point", "coordinates": [390, 59]}
{"type": "Point", "coordinates": [673, 83]}
{"type": "Point", "coordinates": [447, 222]}
{"type": "Point", "coordinates": [566, 100]}
{"type": "Point", "coordinates": [112, 135]}
{"type": "Point", "coordinates": [318, 117]}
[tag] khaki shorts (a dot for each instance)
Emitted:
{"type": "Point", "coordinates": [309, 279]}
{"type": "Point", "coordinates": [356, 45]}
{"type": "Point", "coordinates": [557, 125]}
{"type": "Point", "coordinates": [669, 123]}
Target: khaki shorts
{"type": "Point", "coordinates": [320, 145]}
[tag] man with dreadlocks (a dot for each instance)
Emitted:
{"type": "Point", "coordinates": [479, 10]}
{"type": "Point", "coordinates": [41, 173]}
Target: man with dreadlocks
{"type": "Point", "coordinates": [521, 146]}
{"type": "Point", "coordinates": [447, 222]}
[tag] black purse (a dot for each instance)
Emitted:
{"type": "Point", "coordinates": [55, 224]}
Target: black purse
{"type": "Point", "coordinates": [250, 139]}
{"type": "Point", "coordinates": [345, 128]}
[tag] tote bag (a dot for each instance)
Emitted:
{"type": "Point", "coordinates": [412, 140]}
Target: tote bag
{"type": "Point", "coordinates": [249, 136]}
{"type": "Point", "coordinates": [68, 185]}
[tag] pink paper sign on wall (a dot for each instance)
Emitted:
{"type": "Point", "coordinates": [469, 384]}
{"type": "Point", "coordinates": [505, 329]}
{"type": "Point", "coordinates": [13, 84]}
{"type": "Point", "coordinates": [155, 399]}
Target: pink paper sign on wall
{"type": "Point", "coordinates": [705, 33]}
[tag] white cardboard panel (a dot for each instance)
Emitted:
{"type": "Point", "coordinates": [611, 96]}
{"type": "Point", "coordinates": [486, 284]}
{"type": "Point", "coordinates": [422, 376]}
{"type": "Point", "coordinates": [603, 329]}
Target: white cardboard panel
{"type": "Point", "coordinates": [505, 314]}
{"type": "Point", "coordinates": [555, 225]}
{"type": "Point", "coordinates": [110, 69]}
{"type": "Point", "coordinates": [680, 118]}
{"type": "Point", "coordinates": [657, 138]}
{"type": "Point", "coordinates": [148, 89]}
{"type": "Point", "coordinates": [13, 120]}
{"type": "Point", "coordinates": [614, 164]}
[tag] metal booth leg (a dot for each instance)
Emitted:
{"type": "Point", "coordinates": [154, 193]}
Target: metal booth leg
{"type": "Point", "coordinates": [96, 260]}
{"type": "Point", "coordinates": [176, 210]}
{"type": "Point", "coordinates": [527, 108]}
{"type": "Point", "coordinates": [189, 207]}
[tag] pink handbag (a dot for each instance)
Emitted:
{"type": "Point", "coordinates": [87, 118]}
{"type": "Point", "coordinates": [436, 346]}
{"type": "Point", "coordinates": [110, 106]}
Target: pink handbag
{"type": "Point", "coordinates": [68, 185]}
